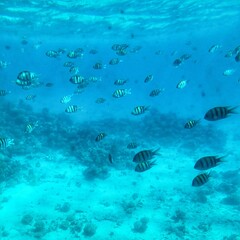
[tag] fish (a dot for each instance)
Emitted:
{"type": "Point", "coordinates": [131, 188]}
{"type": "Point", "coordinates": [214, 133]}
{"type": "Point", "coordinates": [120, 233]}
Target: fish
{"type": "Point", "coordinates": [72, 109]}
{"type": "Point", "coordinates": [30, 127]}
{"type": "Point", "coordinates": [23, 83]}
{"type": "Point", "coordinates": [120, 82]}
{"type": "Point", "coordinates": [74, 70]}
{"type": "Point", "coordinates": [185, 57]}
{"type": "Point", "coordinates": [49, 84]}
{"type": "Point", "coordinates": [66, 99]}
{"type": "Point", "coordinates": [99, 65]}
{"type": "Point", "coordinates": [214, 48]}
{"type": "Point", "coordinates": [182, 84]}
{"type": "Point", "coordinates": [100, 136]}
{"type": "Point", "coordinates": [139, 110]}
{"type": "Point", "coordinates": [132, 145]}
{"type": "Point", "coordinates": [110, 158]}
{"type": "Point", "coordinates": [200, 179]}
{"type": "Point", "coordinates": [229, 54]}
{"type": "Point", "coordinates": [114, 61]}
{"type": "Point", "coordinates": [30, 97]}
{"type": "Point", "coordinates": [149, 78]}
{"type": "Point", "coordinates": [121, 93]}
{"type": "Point", "coordinates": [52, 53]}
{"type": "Point", "coordinates": [3, 64]}
{"type": "Point", "coordinates": [100, 100]}
{"type": "Point", "coordinates": [144, 166]}
{"type": "Point", "coordinates": [237, 58]}
{"type": "Point", "coordinates": [208, 162]}
{"type": "Point", "coordinates": [4, 92]}
{"type": "Point", "coordinates": [6, 142]}
{"type": "Point", "coordinates": [117, 47]}
{"type": "Point", "coordinates": [191, 123]}
{"type": "Point", "coordinates": [68, 64]}
{"type": "Point", "coordinates": [77, 79]}
{"type": "Point", "coordinates": [27, 76]}
{"type": "Point", "coordinates": [218, 113]}
{"type": "Point", "coordinates": [155, 92]}
{"type": "Point", "coordinates": [145, 155]}
{"type": "Point", "coordinates": [93, 51]}
{"type": "Point", "coordinates": [74, 54]}
{"type": "Point", "coordinates": [177, 62]}
{"type": "Point", "coordinates": [229, 72]}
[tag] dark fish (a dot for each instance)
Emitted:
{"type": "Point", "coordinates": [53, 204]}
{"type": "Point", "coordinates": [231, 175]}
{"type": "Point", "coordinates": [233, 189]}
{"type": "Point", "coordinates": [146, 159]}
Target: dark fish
{"type": "Point", "coordinates": [144, 166]}
{"type": "Point", "coordinates": [237, 58]}
{"type": "Point", "coordinates": [121, 93]}
{"type": "Point", "coordinates": [200, 179]}
{"type": "Point", "coordinates": [100, 136]}
{"type": "Point", "coordinates": [98, 65]}
{"type": "Point", "coordinates": [26, 76]}
{"type": "Point", "coordinates": [208, 162]}
{"type": "Point", "coordinates": [100, 100]}
{"type": "Point", "coordinates": [4, 92]}
{"type": "Point", "coordinates": [23, 83]}
{"type": "Point", "coordinates": [72, 109]}
{"type": "Point", "coordinates": [121, 52]}
{"type": "Point", "coordinates": [5, 142]}
{"type": "Point", "coordinates": [68, 64]}
{"type": "Point", "coordinates": [148, 78]}
{"type": "Point", "coordinates": [132, 145]}
{"type": "Point", "coordinates": [155, 92]}
{"type": "Point", "coordinates": [218, 113]}
{"type": "Point", "coordinates": [110, 158]}
{"type": "Point", "coordinates": [52, 53]}
{"type": "Point", "coordinates": [191, 124]}
{"type": "Point", "coordinates": [114, 61]}
{"type": "Point", "coordinates": [77, 79]}
{"type": "Point", "coordinates": [145, 155]}
{"type": "Point", "coordinates": [177, 62]}
{"type": "Point", "coordinates": [120, 82]}
{"type": "Point", "coordinates": [139, 110]}
{"type": "Point", "coordinates": [49, 84]}
{"type": "Point", "coordinates": [185, 57]}
{"type": "Point", "coordinates": [93, 51]}
{"type": "Point", "coordinates": [214, 48]}
{"type": "Point", "coordinates": [118, 47]}
{"type": "Point", "coordinates": [73, 54]}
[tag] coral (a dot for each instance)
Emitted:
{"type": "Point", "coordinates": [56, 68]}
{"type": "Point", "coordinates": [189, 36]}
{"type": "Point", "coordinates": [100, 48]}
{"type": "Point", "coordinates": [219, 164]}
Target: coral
{"type": "Point", "coordinates": [89, 229]}
{"type": "Point", "coordinates": [141, 225]}
{"type": "Point", "coordinates": [27, 219]}
{"type": "Point", "coordinates": [64, 225]}
{"type": "Point", "coordinates": [179, 216]}
{"type": "Point", "coordinates": [65, 207]}
{"type": "Point", "coordinates": [39, 227]}
{"type": "Point", "coordinates": [93, 172]}
{"type": "Point", "coordinates": [129, 207]}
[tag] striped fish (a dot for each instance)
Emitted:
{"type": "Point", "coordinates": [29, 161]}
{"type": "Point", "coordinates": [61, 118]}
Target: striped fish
{"type": "Point", "coordinates": [145, 155]}
{"type": "Point", "coordinates": [30, 127]}
{"type": "Point", "coordinates": [4, 92]}
{"type": "Point", "coordinates": [100, 137]}
{"type": "Point", "coordinates": [191, 124]}
{"type": "Point", "coordinates": [200, 179]}
{"type": "Point", "coordinates": [149, 78]}
{"type": "Point", "coordinates": [132, 145]}
{"type": "Point", "coordinates": [26, 76]}
{"type": "Point", "coordinates": [72, 109]}
{"type": "Point", "coordinates": [121, 93]}
{"type": "Point", "coordinates": [77, 79]}
{"type": "Point", "coordinates": [155, 92]}
{"type": "Point", "coordinates": [139, 110]}
{"type": "Point", "coordinates": [23, 83]}
{"type": "Point", "coordinates": [30, 97]}
{"type": "Point", "coordinates": [120, 82]}
{"type": "Point", "coordinates": [144, 166]}
{"type": "Point", "coordinates": [114, 61]}
{"type": "Point", "coordinates": [208, 162]}
{"type": "Point", "coordinates": [6, 142]}
{"type": "Point", "coordinates": [218, 113]}
{"type": "Point", "coordinates": [66, 99]}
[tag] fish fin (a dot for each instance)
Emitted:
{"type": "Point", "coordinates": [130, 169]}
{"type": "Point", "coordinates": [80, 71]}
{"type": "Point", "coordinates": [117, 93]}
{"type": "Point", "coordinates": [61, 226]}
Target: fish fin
{"type": "Point", "coordinates": [232, 110]}
{"type": "Point", "coordinates": [156, 152]}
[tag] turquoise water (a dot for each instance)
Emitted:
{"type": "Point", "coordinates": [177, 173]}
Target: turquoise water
{"type": "Point", "coordinates": [67, 149]}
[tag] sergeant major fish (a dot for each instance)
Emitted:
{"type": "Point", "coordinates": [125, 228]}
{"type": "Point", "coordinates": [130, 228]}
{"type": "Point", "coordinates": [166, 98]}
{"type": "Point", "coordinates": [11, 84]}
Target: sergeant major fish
{"type": "Point", "coordinates": [121, 93]}
{"type": "Point", "coordinates": [145, 155]}
{"type": "Point", "coordinates": [191, 124]}
{"type": "Point", "coordinates": [6, 142]}
{"type": "Point", "coordinates": [149, 78]}
{"type": "Point", "coordinates": [208, 162]}
{"type": "Point", "coordinates": [218, 113]}
{"type": "Point", "coordinates": [200, 179]}
{"type": "Point", "coordinates": [182, 84]}
{"type": "Point", "coordinates": [66, 99]}
{"type": "Point", "coordinates": [144, 166]}
{"type": "Point", "coordinates": [72, 109]}
{"type": "Point", "coordinates": [155, 92]}
{"type": "Point", "coordinates": [100, 136]}
{"type": "Point", "coordinates": [139, 110]}
{"type": "Point", "coordinates": [30, 127]}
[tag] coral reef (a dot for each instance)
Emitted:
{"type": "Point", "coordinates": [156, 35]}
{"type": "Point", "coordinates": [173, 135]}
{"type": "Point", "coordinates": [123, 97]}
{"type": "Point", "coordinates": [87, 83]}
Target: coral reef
{"type": "Point", "coordinates": [89, 229]}
{"type": "Point", "coordinates": [141, 225]}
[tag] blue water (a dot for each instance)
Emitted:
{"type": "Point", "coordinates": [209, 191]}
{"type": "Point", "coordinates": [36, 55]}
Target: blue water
{"type": "Point", "coordinates": [65, 142]}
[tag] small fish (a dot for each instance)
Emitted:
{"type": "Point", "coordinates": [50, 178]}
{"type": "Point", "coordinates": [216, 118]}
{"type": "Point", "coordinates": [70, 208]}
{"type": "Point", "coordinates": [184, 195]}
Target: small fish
{"type": "Point", "coordinates": [74, 70]}
{"type": "Point", "coordinates": [218, 113]}
{"type": "Point", "coordinates": [93, 51]}
{"type": "Point", "coordinates": [149, 78]}
{"type": "Point", "coordinates": [117, 47]}
{"type": "Point", "coordinates": [121, 93]}
{"type": "Point", "coordinates": [229, 54]}
{"type": "Point", "coordinates": [66, 99]}
{"type": "Point", "coordinates": [52, 53]}
{"type": "Point", "coordinates": [72, 109]}
{"type": "Point", "coordinates": [191, 124]}
{"type": "Point", "coordinates": [114, 61]}
{"type": "Point", "coordinates": [139, 110]}
{"type": "Point", "coordinates": [100, 100]}
{"type": "Point", "coordinates": [99, 65]}
{"type": "Point", "coordinates": [26, 76]}
{"type": "Point", "coordinates": [68, 64]}
{"type": "Point", "coordinates": [177, 62]}
{"type": "Point", "coordinates": [228, 72]}
{"type": "Point", "coordinates": [185, 57]}
{"type": "Point", "coordinates": [30, 127]}
{"type": "Point", "coordinates": [6, 142]}
{"type": "Point", "coordinates": [214, 48]}
{"type": "Point", "coordinates": [94, 79]}
{"type": "Point", "coordinates": [110, 158]}
{"type": "Point", "coordinates": [100, 137]}
{"type": "Point", "coordinates": [121, 52]}
{"type": "Point", "coordinates": [237, 58]}
{"type": "Point", "coordinates": [120, 82]}
{"type": "Point", "coordinates": [200, 179]}
{"type": "Point", "coordinates": [73, 54]}
{"type": "Point", "coordinates": [144, 166]}
{"type": "Point", "coordinates": [4, 92]}
{"type": "Point", "coordinates": [30, 97]}
{"type": "Point", "coordinates": [77, 79]}
{"type": "Point", "coordinates": [208, 162]}
{"type": "Point", "coordinates": [23, 83]}
{"type": "Point", "coordinates": [49, 84]}
{"type": "Point", "coordinates": [155, 92]}
{"type": "Point", "coordinates": [3, 64]}
{"type": "Point", "coordinates": [132, 145]}
{"type": "Point", "coordinates": [145, 155]}
{"type": "Point", "coordinates": [182, 84]}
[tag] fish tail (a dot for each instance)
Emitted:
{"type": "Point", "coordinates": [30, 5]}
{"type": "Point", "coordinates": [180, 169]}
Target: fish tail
{"type": "Point", "coordinates": [128, 91]}
{"type": "Point", "coordinates": [156, 152]}
{"type": "Point", "coordinates": [232, 110]}
{"type": "Point", "coordinates": [152, 163]}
